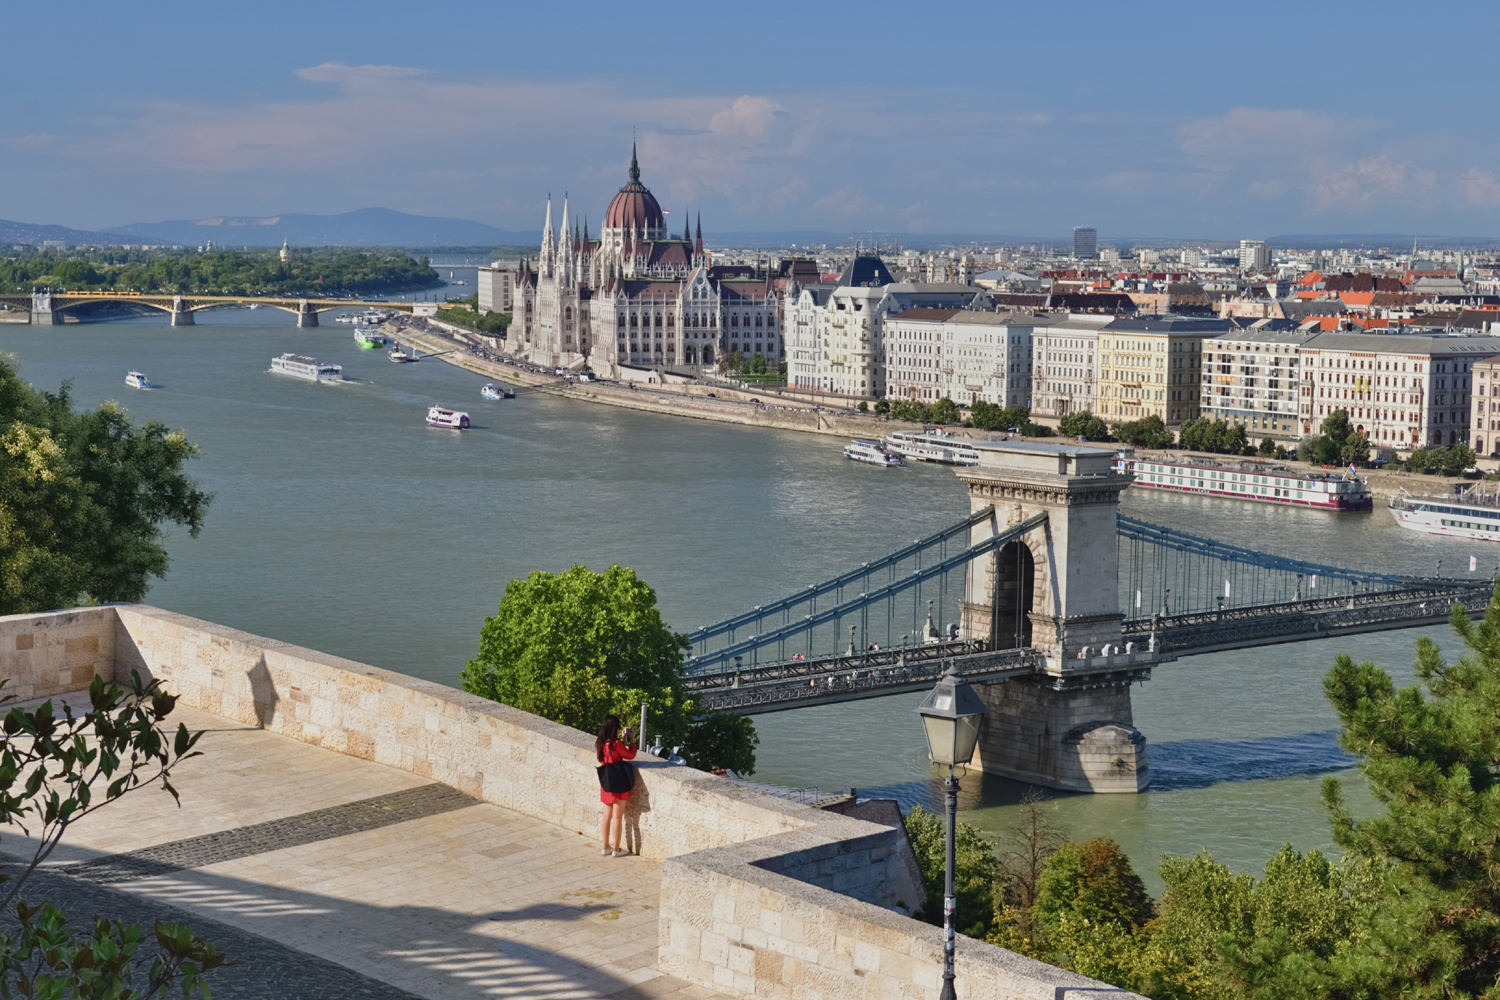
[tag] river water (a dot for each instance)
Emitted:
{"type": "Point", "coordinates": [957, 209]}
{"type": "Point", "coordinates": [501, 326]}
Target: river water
{"type": "Point", "coordinates": [342, 522]}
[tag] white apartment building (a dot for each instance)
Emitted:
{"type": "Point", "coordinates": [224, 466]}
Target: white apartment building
{"type": "Point", "coordinates": [1065, 363]}
{"type": "Point", "coordinates": [1252, 379]}
{"type": "Point", "coordinates": [805, 308]}
{"type": "Point", "coordinates": [1400, 391]}
{"type": "Point", "coordinates": [963, 354]}
{"type": "Point", "coordinates": [497, 286]}
{"type": "Point", "coordinates": [1255, 255]}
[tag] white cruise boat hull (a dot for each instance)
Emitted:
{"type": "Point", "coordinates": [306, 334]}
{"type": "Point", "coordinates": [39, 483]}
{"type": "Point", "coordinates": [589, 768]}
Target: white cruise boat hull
{"type": "Point", "coordinates": [1447, 516]}
{"type": "Point", "coordinates": [310, 369]}
{"type": "Point", "coordinates": [1247, 482]}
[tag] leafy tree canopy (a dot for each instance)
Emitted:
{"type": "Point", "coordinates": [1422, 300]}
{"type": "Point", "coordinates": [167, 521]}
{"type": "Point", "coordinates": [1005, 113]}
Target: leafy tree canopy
{"type": "Point", "coordinates": [83, 498]}
{"type": "Point", "coordinates": [1148, 432]}
{"type": "Point", "coordinates": [976, 870]}
{"type": "Point", "coordinates": [1082, 423]}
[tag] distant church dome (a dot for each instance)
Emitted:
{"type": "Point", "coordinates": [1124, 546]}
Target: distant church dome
{"type": "Point", "coordinates": [286, 254]}
{"type": "Point", "coordinates": [635, 205]}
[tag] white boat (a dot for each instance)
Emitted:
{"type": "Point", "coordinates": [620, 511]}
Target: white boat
{"type": "Point", "coordinates": [932, 446]}
{"type": "Point", "coordinates": [1263, 482]}
{"type": "Point", "coordinates": [137, 380]}
{"type": "Point", "coordinates": [301, 366]}
{"type": "Point", "coordinates": [399, 357]}
{"type": "Point", "coordinates": [1470, 515]}
{"type": "Point", "coordinates": [493, 391]}
{"type": "Point", "coordinates": [368, 338]}
{"type": "Point", "coordinates": [255, 305]}
{"type": "Point", "coordinates": [455, 420]}
{"type": "Point", "coordinates": [871, 451]}
{"type": "Point", "coordinates": [345, 318]}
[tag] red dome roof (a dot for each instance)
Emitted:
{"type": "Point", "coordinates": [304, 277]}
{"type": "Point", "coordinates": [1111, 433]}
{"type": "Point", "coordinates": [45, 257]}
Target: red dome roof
{"type": "Point", "coordinates": [635, 206]}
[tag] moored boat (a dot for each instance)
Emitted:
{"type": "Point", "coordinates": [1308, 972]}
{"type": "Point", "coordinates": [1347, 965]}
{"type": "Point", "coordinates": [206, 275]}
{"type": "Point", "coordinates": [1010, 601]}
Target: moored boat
{"type": "Point", "coordinates": [301, 366]}
{"type": "Point", "coordinates": [368, 338]}
{"type": "Point", "coordinates": [935, 445]}
{"type": "Point", "coordinates": [1468, 515]}
{"type": "Point", "coordinates": [1262, 482]}
{"type": "Point", "coordinates": [137, 380]}
{"type": "Point", "coordinates": [455, 420]}
{"type": "Point", "coordinates": [872, 452]}
{"type": "Point", "coordinates": [399, 357]}
{"type": "Point", "coordinates": [493, 391]}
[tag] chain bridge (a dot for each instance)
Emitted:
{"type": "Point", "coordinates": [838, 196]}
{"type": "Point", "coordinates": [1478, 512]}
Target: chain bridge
{"type": "Point", "coordinates": [1052, 634]}
{"type": "Point", "coordinates": [48, 308]}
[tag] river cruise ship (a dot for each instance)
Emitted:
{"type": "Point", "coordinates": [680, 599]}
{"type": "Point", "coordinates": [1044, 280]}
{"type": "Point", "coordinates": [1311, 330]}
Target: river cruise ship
{"type": "Point", "coordinates": [872, 452]}
{"type": "Point", "coordinates": [454, 420]}
{"type": "Point", "coordinates": [301, 366]}
{"type": "Point", "coordinates": [368, 338]}
{"type": "Point", "coordinates": [1263, 483]}
{"type": "Point", "coordinates": [932, 446]}
{"type": "Point", "coordinates": [1470, 515]}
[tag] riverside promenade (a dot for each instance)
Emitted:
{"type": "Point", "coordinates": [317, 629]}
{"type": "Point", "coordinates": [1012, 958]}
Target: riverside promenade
{"type": "Point", "coordinates": [356, 832]}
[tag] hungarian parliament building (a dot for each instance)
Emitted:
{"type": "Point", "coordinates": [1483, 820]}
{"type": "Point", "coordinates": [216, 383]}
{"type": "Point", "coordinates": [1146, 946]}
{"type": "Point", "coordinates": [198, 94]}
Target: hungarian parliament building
{"type": "Point", "coordinates": [638, 296]}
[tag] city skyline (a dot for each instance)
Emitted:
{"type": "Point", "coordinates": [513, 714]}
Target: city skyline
{"type": "Point", "coordinates": [818, 121]}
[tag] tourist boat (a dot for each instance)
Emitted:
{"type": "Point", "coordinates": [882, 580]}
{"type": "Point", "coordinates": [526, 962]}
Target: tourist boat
{"type": "Point", "coordinates": [493, 391]}
{"type": "Point", "coordinates": [367, 338]}
{"type": "Point", "coordinates": [871, 451]}
{"type": "Point", "coordinates": [1468, 515]}
{"type": "Point", "coordinates": [455, 420]}
{"type": "Point", "coordinates": [398, 357]}
{"type": "Point", "coordinates": [345, 318]}
{"type": "Point", "coordinates": [1258, 481]}
{"type": "Point", "coordinates": [932, 446]}
{"type": "Point", "coordinates": [137, 380]}
{"type": "Point", "coordinates": [301, 366]}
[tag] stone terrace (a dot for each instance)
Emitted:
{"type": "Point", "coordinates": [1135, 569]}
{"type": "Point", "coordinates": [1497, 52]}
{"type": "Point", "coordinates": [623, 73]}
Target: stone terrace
{"type": "Point", "coordinates": [354, 832]}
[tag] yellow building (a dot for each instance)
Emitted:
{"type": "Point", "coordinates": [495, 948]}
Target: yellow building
{"type": "Point", "coordinates": [1153, 366]}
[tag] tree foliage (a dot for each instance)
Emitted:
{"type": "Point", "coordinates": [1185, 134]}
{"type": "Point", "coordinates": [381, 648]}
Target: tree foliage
{"type": "Point", "coordinates": [1082, 423]}
{"type": "Point", "coordinates": [83, 499]}
{"type": "Point", "coordinates": [55, 771]}
{"type": "Point", "coordinates": [1218, 436]}
{"type": "Point", "coordinates": [1337, 443]}
{"type": "Point", "coordinates": [319, 273]}
{"type": "Point", "coordinates": [1148, 432]}
{"type": "Point", "coordinates": [578, 645]}
{"type": "Point", "coordinates": [1448, 461]}
{"type": "Point", "coordinates": [976, 871]}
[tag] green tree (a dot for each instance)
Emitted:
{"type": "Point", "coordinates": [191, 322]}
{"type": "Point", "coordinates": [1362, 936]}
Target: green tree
{"type": "Point", "coordinates": [720, 740]}
{"type": "Point", "coordinates": [1236, 440]}
{"type": "Point", "coordinates": [882, 407]}
{"type": "Point", "coordinates": [1267, 448]}
{"type": "Point", "coordinates": [1430, 753]}
{"type": "Point", "coordinates": [55, 772]}
{"type": "Point", "coordinates": [83, 498]}
{"type": "Point", "coordinates": [975, 871]}
{"type": "Point", "coordinates": [945, 411]}
{"type": "Point", "coordinates": [576, 646]}
{"type": "Point", "coordinates": [1148, 432]}
{"type": "Point", "coordinates": [985, 416]}
{"type": "Point", "coordinates": [1082, 423]}
{"type": "Point", "coordinates": [1092, 881]}
{"type": "Point", "coordinates": [1460, 457]}
{"type": "Point", "coordinates": [863, 407]}
{"type": "Point", "coordinates": [1337, 427]}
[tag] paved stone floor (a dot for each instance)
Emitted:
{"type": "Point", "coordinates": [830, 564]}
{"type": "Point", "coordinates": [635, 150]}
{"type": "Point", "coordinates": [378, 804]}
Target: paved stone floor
{"type": "Point", "coordinates": [335, 877]}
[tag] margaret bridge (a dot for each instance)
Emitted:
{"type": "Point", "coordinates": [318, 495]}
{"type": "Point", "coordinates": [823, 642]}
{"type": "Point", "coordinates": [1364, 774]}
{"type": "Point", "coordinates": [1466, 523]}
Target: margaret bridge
{"type": "Point", "coordinates": [49, 308]}
{"type": "Point", "coordinates": [1061, 605]}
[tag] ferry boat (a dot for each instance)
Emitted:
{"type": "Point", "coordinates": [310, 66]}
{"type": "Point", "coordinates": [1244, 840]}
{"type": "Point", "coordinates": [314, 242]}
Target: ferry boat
{"type": "Point", "coordinates": [871, 451]}
{"type": "Point", "coordinates": [397, 356]}
{"type": "Point", "coordinates": [1257, 481]}
{"type": "Point", "coordinates": [301, 366]}
{"type": "Point", "coordinates": [493, 391]}
{"type": "Point", "coordinates": [455, 420]}
{"type": "Point", "coordinates": [1470, 515]}
{"type": "Point", "coordinates": [137, 380]}
{"type": "Point", "coordinates": [932, 446]}
{"type": "Point", "coordinates": [367, 338]}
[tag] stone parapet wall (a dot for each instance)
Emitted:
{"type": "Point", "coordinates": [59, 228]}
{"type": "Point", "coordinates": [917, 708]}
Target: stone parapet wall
{"type": "Point", "coordinates": [56, 651]}
{"type": "Point", "coordinates": [760, 896]}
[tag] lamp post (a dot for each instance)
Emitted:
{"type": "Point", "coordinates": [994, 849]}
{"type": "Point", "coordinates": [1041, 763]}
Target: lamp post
{"type": "Point", "coordinates": [950, 715]}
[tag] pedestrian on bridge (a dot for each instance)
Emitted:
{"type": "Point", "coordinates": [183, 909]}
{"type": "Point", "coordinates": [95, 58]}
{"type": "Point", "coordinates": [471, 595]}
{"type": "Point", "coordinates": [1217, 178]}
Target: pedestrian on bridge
{"type": "Point", "coordinates": [616, 779]}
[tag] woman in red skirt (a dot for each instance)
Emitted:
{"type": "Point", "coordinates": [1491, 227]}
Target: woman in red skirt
{"type": "Point", "coordinates": [610, 750]}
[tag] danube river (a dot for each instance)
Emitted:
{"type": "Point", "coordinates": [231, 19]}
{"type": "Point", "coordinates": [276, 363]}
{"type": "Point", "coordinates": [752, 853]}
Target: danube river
{"type": "Point", "coordinates": [342, 522]}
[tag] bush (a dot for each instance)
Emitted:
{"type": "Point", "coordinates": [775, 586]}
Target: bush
{"type": "Point", "coordinates": [720, 740]}
{"type": "Point", "coordinates": [975, 872]}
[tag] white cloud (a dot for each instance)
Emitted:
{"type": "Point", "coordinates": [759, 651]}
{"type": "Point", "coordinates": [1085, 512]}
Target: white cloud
{"type": "Point", "coordinates": [1480, 188]}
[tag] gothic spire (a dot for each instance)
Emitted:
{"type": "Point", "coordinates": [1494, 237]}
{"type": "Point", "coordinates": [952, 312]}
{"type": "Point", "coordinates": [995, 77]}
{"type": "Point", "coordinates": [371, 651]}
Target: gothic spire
{"type": "Point", "coordinates": [635, 169]}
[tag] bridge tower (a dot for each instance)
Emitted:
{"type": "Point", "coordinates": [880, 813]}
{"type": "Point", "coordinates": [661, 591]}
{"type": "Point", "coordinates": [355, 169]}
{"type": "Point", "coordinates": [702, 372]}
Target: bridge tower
{"type": "Point", "coordinates": [181, 314]}
{"type": "Point", "coordinates": [41, 310]}
{"type": "Point", "coordinates": [306, 314]}
{"type": "Point", "coordinates": [1069, 724]}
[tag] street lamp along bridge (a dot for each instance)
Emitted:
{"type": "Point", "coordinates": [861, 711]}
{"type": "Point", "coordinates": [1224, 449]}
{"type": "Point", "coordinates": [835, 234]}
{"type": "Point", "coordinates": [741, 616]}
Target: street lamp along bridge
{"type": "Point", "coordinates": [1048, 567]}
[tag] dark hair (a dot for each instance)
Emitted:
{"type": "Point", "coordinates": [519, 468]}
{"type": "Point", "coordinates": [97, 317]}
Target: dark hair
{"type": "Point", "coordinates": [609, 731]}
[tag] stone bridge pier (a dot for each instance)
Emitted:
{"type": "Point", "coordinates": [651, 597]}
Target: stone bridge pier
{"type": "Point", "coordinates": [181, 314]}
{"type": "Point", "coordinates": [306, 314]}
{"type": "Point", "coordinates": [41, 310]}
{"type": "Point", "coordinates": [1068, 725]}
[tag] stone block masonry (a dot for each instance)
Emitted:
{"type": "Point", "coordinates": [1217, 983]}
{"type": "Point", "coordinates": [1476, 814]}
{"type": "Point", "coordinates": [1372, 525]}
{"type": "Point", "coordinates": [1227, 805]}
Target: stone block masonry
{"type": "Point", "coordinates": [759, 896]}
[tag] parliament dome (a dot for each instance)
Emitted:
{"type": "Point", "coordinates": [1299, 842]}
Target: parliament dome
{"type": "Point", "coordinates": [635, 206]}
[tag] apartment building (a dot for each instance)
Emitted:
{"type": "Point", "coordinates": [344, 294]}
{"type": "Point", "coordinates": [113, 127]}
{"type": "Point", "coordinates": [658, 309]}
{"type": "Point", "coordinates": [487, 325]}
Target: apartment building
{"type": "Point", "coordinates": [497, 286]}
{"type": "Point", "coordinates": [802, 317]}
{"type": "Point", "coordinates": [1065, 367]}
{"type": "Point", "coordinates": [1400, 391]}
{"type": "Point", "coordinates": [1484, 407]}
{"type": "Point", "coordinates": [1153, 366]}
{"type": "Point", "coordinates": [966, 355]}
{"type": "Point", "coordinates": [1252, 379]}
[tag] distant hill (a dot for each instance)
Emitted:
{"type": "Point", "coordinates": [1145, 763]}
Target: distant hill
{"type": "Point", "coordinates": [12, 233]}
{"type": "Point", "coordinates": [363, 227]}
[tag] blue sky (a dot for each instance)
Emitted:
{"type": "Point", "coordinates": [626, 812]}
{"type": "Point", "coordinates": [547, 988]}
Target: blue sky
{"type": "Point", "coordinates": [1155, 119]}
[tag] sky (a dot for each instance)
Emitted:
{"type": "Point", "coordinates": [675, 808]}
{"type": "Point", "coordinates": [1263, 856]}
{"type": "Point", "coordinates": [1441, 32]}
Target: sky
{"type": "Point", "coordinates": [1146, 120]}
